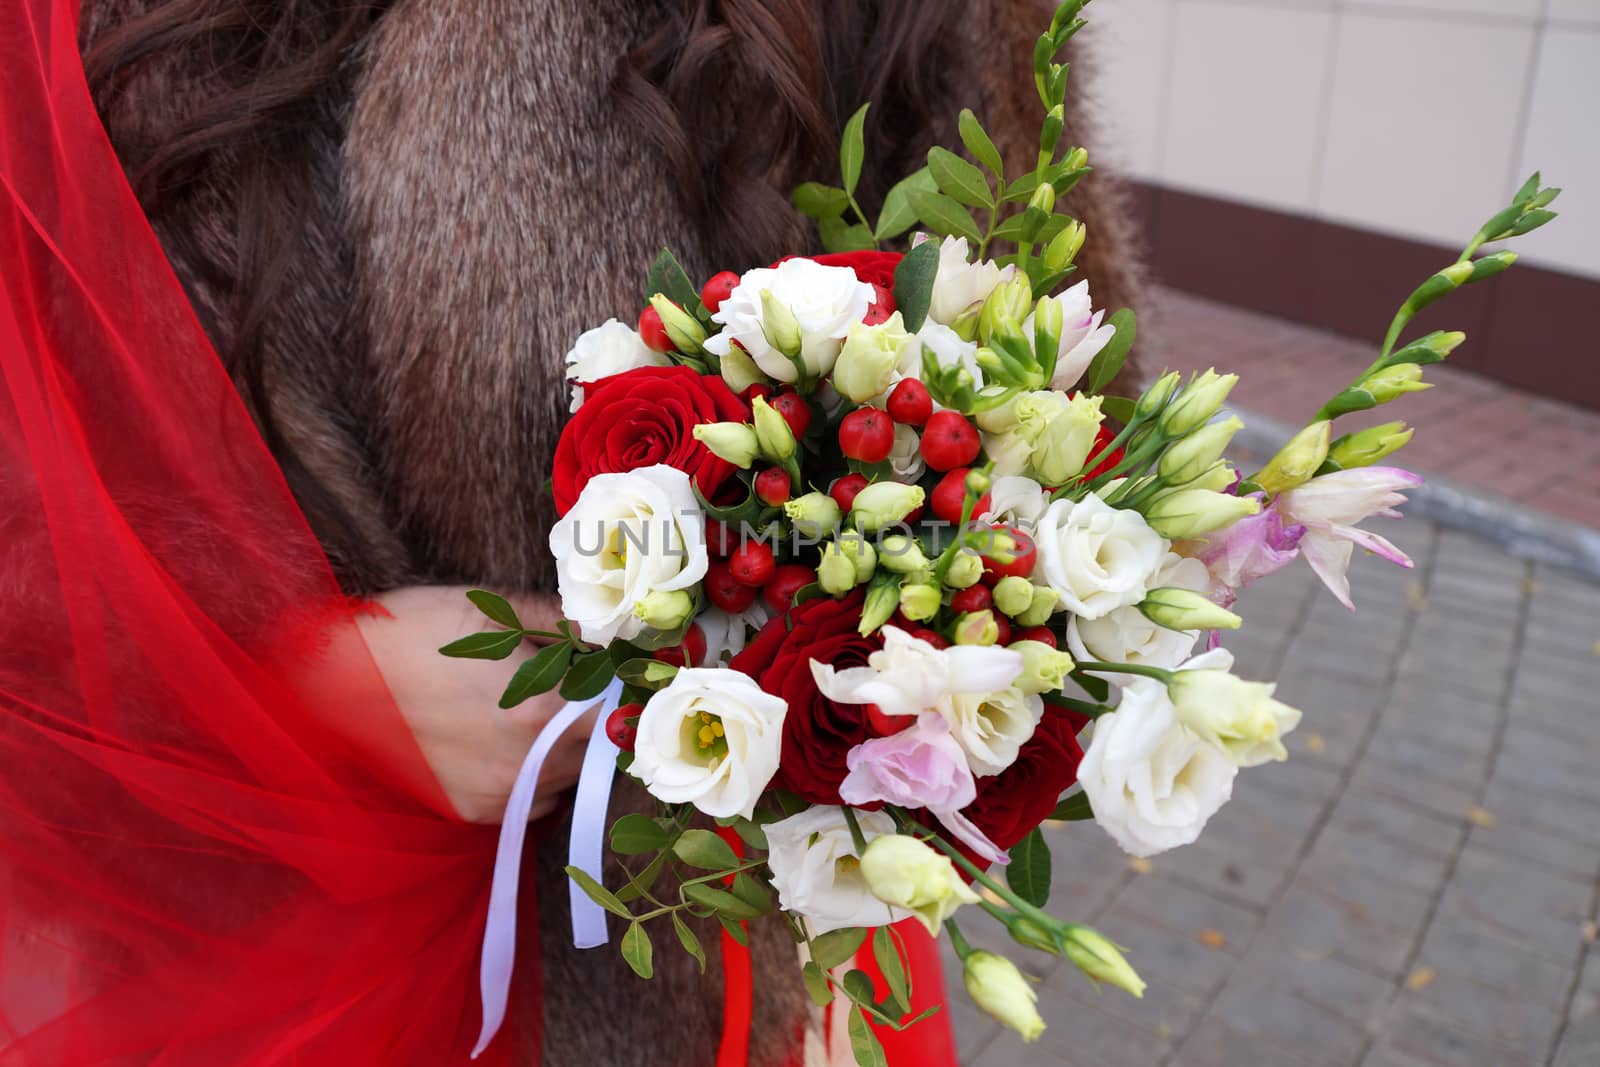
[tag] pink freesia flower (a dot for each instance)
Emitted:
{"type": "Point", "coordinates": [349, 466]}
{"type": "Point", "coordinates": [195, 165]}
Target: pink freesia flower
{"type": "Point", "coordinates": [1329, 508]}
{"type": "Point", "coordinates": [922, 766]}
{"type": "Point", "coordinates": [1250, 549]}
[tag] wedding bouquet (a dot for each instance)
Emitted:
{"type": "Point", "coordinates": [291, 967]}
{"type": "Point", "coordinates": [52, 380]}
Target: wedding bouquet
{"type": "Point", "coordinates": [869, 541]}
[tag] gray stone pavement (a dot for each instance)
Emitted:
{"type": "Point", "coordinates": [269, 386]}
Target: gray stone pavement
{"type": "Point", "coordinates": [1415, 887]}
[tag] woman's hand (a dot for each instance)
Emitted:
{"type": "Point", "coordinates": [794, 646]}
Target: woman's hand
{"type": "Point", "coordinates": [452, 705]}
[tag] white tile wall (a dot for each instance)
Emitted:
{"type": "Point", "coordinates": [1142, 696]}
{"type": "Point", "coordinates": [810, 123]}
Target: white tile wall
{"type": "Point", "coordinates": [1245, 99]}
{"type": "Point", "coordinates": [1131, 45]}
{"type": "Point", "coordinates": [1512, 9]}
{"type": "Point", "coordinates": [1584, 11]}
{"type": "Point", "coordinates": [1566, 83]}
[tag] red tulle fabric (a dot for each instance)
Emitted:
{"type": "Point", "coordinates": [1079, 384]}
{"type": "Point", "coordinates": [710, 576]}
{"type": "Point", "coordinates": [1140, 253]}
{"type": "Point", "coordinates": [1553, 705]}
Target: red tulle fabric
{"type": "Point", "coordinates": [219, 844]}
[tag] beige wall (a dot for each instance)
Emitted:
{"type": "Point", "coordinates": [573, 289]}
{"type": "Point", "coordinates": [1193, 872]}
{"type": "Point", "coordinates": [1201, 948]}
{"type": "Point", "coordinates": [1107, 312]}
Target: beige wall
{"type": "Point", "coordinates": [1412, 117]}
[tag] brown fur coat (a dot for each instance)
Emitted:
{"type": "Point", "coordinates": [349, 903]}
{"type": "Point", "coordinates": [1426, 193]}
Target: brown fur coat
{"type": "Point", "coordinates": [475, 206]}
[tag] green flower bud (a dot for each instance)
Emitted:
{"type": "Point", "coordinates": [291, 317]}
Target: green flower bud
{"type": "Point", "coordinates": [905, 873]}
{"type": "Point", "coordinates": [684, 330]}
{"type": "Point", "coordinates": [1048, 322]}
{"type": "Point", "coordinates": [778, 323]}
{"type": "Point", "coordinates": [919, 602]}
{"type": "Point", "coordinates": [1298, 460]}
{"type": "Point", "coordinates": [1013, 595]}
{"type": "Point", "coordinates": [966, 324]}
{"type": "Point", "coordinates": [1395, 381]}
{"type": "Point", "coordinates": [1199, 401]}
{"type": "Point", "coordinates": [1065, 246]}
{"type": "Point", "coordinates": [773, 435]}
{"type": "Point", "coordinates": [1151, 400]}
{"type": "Point", "coordinates": [883, 597]}
{"type": "Point", "coordinates": [883, 503]}
{"type": "Point", "coordinates": [965, 570]}
{"type": "Point", "coordinates": [836, 572]}
{"type": "Point", "coordinates": [1194, 455]}
{"type": "Point", "coordinates": [734, 442]}
{"type": "Point", "coordinates": [1192, 512]}
{"type": "Point", "coordinates": [1042, 607]}
{"type": "Point", "coordinates": [665, 611]}
{"type": "Point", "coordinates": [867, 361]}
{"type": "Point", "coordinates": [901, 554]}
{"type": "Point", "coordinates": [1010, 301]}
{"type": "Point", "coordinates": [1217, 478]}
{"type": "Point", "coordinates": [1101, 960]}
{"type": "Point", "coordinates": [1044, 669]}
{"type": "Point", "coordinates": [1065, 436]}
{"type": "Point", "coordinates": [1043, 198]}
{"type": "Point", "coordinates": [977, 482]}
{"type": "Point", "coordinates": [977, 628]}
{"type": "Point", "coordinates": [995, 985]}
{"type": "Point", "coordinates": [1076, 159]}
{"type": "Point", "coordinates": [813, 514]}
{"type": "Point", "coordinates": [1184, 609]}
{"type": "Point", "coordinates": [740, 372]}
{"type": "Point", "coordinates": [1366, 447]}
{"type": "Point", "coordinates": [859, 551]}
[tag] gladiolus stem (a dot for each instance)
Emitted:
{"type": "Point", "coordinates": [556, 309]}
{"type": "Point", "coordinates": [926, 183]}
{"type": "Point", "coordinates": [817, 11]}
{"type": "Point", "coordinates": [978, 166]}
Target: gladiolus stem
{"type": "Point", "coordinates": [856, 836]}
{"type": "Point", "coordinates": [1126, 668]}
{"type": "Point", "coordinates": [957, 941]}
{"type": "Point", "coordinates": [1003, 892]}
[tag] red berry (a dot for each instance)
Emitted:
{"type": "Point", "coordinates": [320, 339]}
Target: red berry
{"type": "Point", "coordinates": [887, 724]}
{"type": "Point", "coordinates": [686, 653]}
{"type": "Point", "coordinates": [909, 402]}
{"type": "Point", "coordinates": [951, 493]}
{"type": "Point", "coordinates": [949, 441]}
{"type": "Point", "coordinates": [867, 434]}
{"type": "Point", "coordinates": [935, 639]}
{"type": "Point", "coordinates": [795, 411]}
{"type": "Point", "coordinates": [972, 598]}
{"type": "Point", "coordinates": [883, 305]}
{"type": "Point", "coordinates": [787, 580]}
{"type": "Point", "coordinates": [752, 391]}
{"type": "Point", "coordinates": [772, 486]}
{"type": "Point", "coordinates": [752, 563]}
{"type": "Point", "coordinates": [1003, 625]}
{"type": "Point", "coordinates": [1042, 634]}
{"type": "Point", "coordinates": [623, 734]}
{"type": "Point", "coordinates": [717, 288]}
{"type": "Point", "coordinates": [720, 541]}
{"type": "Point", "coordinates": [844, 490]}
{"type": "Point", "coordinates": [726, 591]}
{"type": "Point", "coordinates": [1018, 561]}
{"type": "Point", "coordinates": [653, 332]}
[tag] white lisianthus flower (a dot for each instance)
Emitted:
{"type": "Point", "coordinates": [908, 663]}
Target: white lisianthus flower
{"type": "Point", "coordinates": [711, 738]}
{"type": "Point", "coordinates": [1096, 557]}
{"type": "Point", "coordinates": [905, 458]}
{"type": "Point", "coordinates": [629, 535]}
{"type": "Point", "coordinates": [1044, 433]}
{"type": "Point", "coordinates": [908, 676]}
{"type": "Point", "coordinates": [610, 348]}
{"type": "Point", "coordinates": [1082, 336]}
{"type": "Point", "coordinates": [867, 362]}
{"type": "Point", "coordinates": [960, 283]}
{"type": "Point", "coordinates": [726, 634]}
{"type": "Point", "coordinates": [1126, 636]}
{"type": "Point", "coordinates": [1016, 501]}
{"type": "Point", "coordinates": [1151, 781]}
{"type": "Point", "coordinates": [1237, 716]}
{"type": "Point", "coordinates": [947, 349]}
{"type": "Point", "coordinates": [825, 302]}
{"type": "Point", "coordinates": [991, 729]}
{"type": "Point", "coordinates": [817, 873]}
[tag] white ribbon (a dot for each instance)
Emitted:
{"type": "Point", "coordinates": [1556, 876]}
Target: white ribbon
{"type": "Point", "coordinates": [587, 842]}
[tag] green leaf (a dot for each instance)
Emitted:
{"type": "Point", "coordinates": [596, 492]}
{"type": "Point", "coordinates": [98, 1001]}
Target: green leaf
{"type": "Point", "coordinates": [588, 676]}
{"type": "Point", "coordinates": [1118, 407]}
{"type": "Point", "coordinates": [690, 943]}
{"type": "Point", "coordinates": [836, 946]}
{"type": "Point", "coordinates": [887, 952]}
{"type": "Point", "coordinates": [978, 142]}
{"type": "Point", "coordinates": [752, 892]}
{"type": "Point", "coordinates": [863, 1042]}
{"type": "Point", "coordinates": [838, 236]}
{"type": "Point", "coordinates": [643, 673]}
{"type": "Point", "coordinates": [1028, 873]}
{"type": "Point", "coordinates": [497, 607]}
{"type": "Point", "coordinates": [705, 850]}
{"type": "Point", "coordinates": [898, 216]}
{"type": "Point", "coordinates": [858, 987]}
{"type": "Point", "coordinates": [944, 216]}
{"type": "Point", "coordinates": [818, 201]}
{"type": "Point", "coordinates": [598, 893]}
{"type": "Point", "coordinates": [668, 278]}
{"type": "Point", "coordinates": [735, 929]}
{"type": "Point", "coordinates": [1109, 360]}
{"type": "Point", "coordinates": [1096, 687]}
{"type": "Point", "coordinates": [491, 644]}
{"type": "Point", "coordinates": [641, 883]}
{"type": "Point", "coordinates": [959, 179]}
{"type": "Point", "coordinates": [752, 834]}
{"type": "Point", "coordinates": [817, 984]}
{"type": "Point", "coordinates": [637, 950]}
{"type": "Point", "coordinates": [1074, 808]}
{"type": "Point", "coordinates": [538, 675]}
{"type": "Point", "coordinates": [635, 834]}
{"type": "Point", "coordinates": [852, 149]}
{"type": "Point", "coordinates": [725, 904]}
{"type": "Point", "coordinates": [913, 283]}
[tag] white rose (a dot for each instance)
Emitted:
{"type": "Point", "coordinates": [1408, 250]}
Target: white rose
{"type": "Point", "coordinates": [1096, 557]}
{"type": "Point", "coordinates": [629, 535]}
{"type": "Point", "coordinates": [1126, 636]}
{"type": "Point", "coordinates": [905, 458]}
{"type": "Point", "coordinates": [960, 284]}
{"type": "Point", "coordinates": [1151, 781]}
{"type": "Point", "coordinates": [711, 738]}
{"type": "Point", "coordinates": [817, 872]}
{"type": "Point", "coordinates": [991, 729]}
{"type": "Point", "coordinates": [610, 348]}
{"type": "Point", "coordinates": [825, 301]}
{"type": "Point", "coordinates": [1082, 336]}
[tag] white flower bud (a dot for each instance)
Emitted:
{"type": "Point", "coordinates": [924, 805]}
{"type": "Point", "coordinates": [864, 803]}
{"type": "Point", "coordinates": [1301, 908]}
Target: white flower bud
{"type": "Point", "coordinates": [996, 986]}
{"type": "Point", "coordinates": [734, 442]}
{"type": "Point", "coordinates": [905, 873]}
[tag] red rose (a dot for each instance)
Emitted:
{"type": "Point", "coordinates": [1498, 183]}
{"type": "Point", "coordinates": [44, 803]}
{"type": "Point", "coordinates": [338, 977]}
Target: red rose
{"type": "Point", "coordinates": [1013, 802]}
{"type": "Point", "coordinates": [817, 732]}
{"type": "Point", "coordinates": [640, 418]}
{"type": "Point", "coordinates": [1104, 436]}
{"type": "Point", "coordinates": [874, 268]}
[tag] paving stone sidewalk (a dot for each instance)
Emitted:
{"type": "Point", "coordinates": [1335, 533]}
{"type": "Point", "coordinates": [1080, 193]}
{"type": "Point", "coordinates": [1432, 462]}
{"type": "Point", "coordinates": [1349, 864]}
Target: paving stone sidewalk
{"type": "Point", "coordinates": [1415, 887]}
